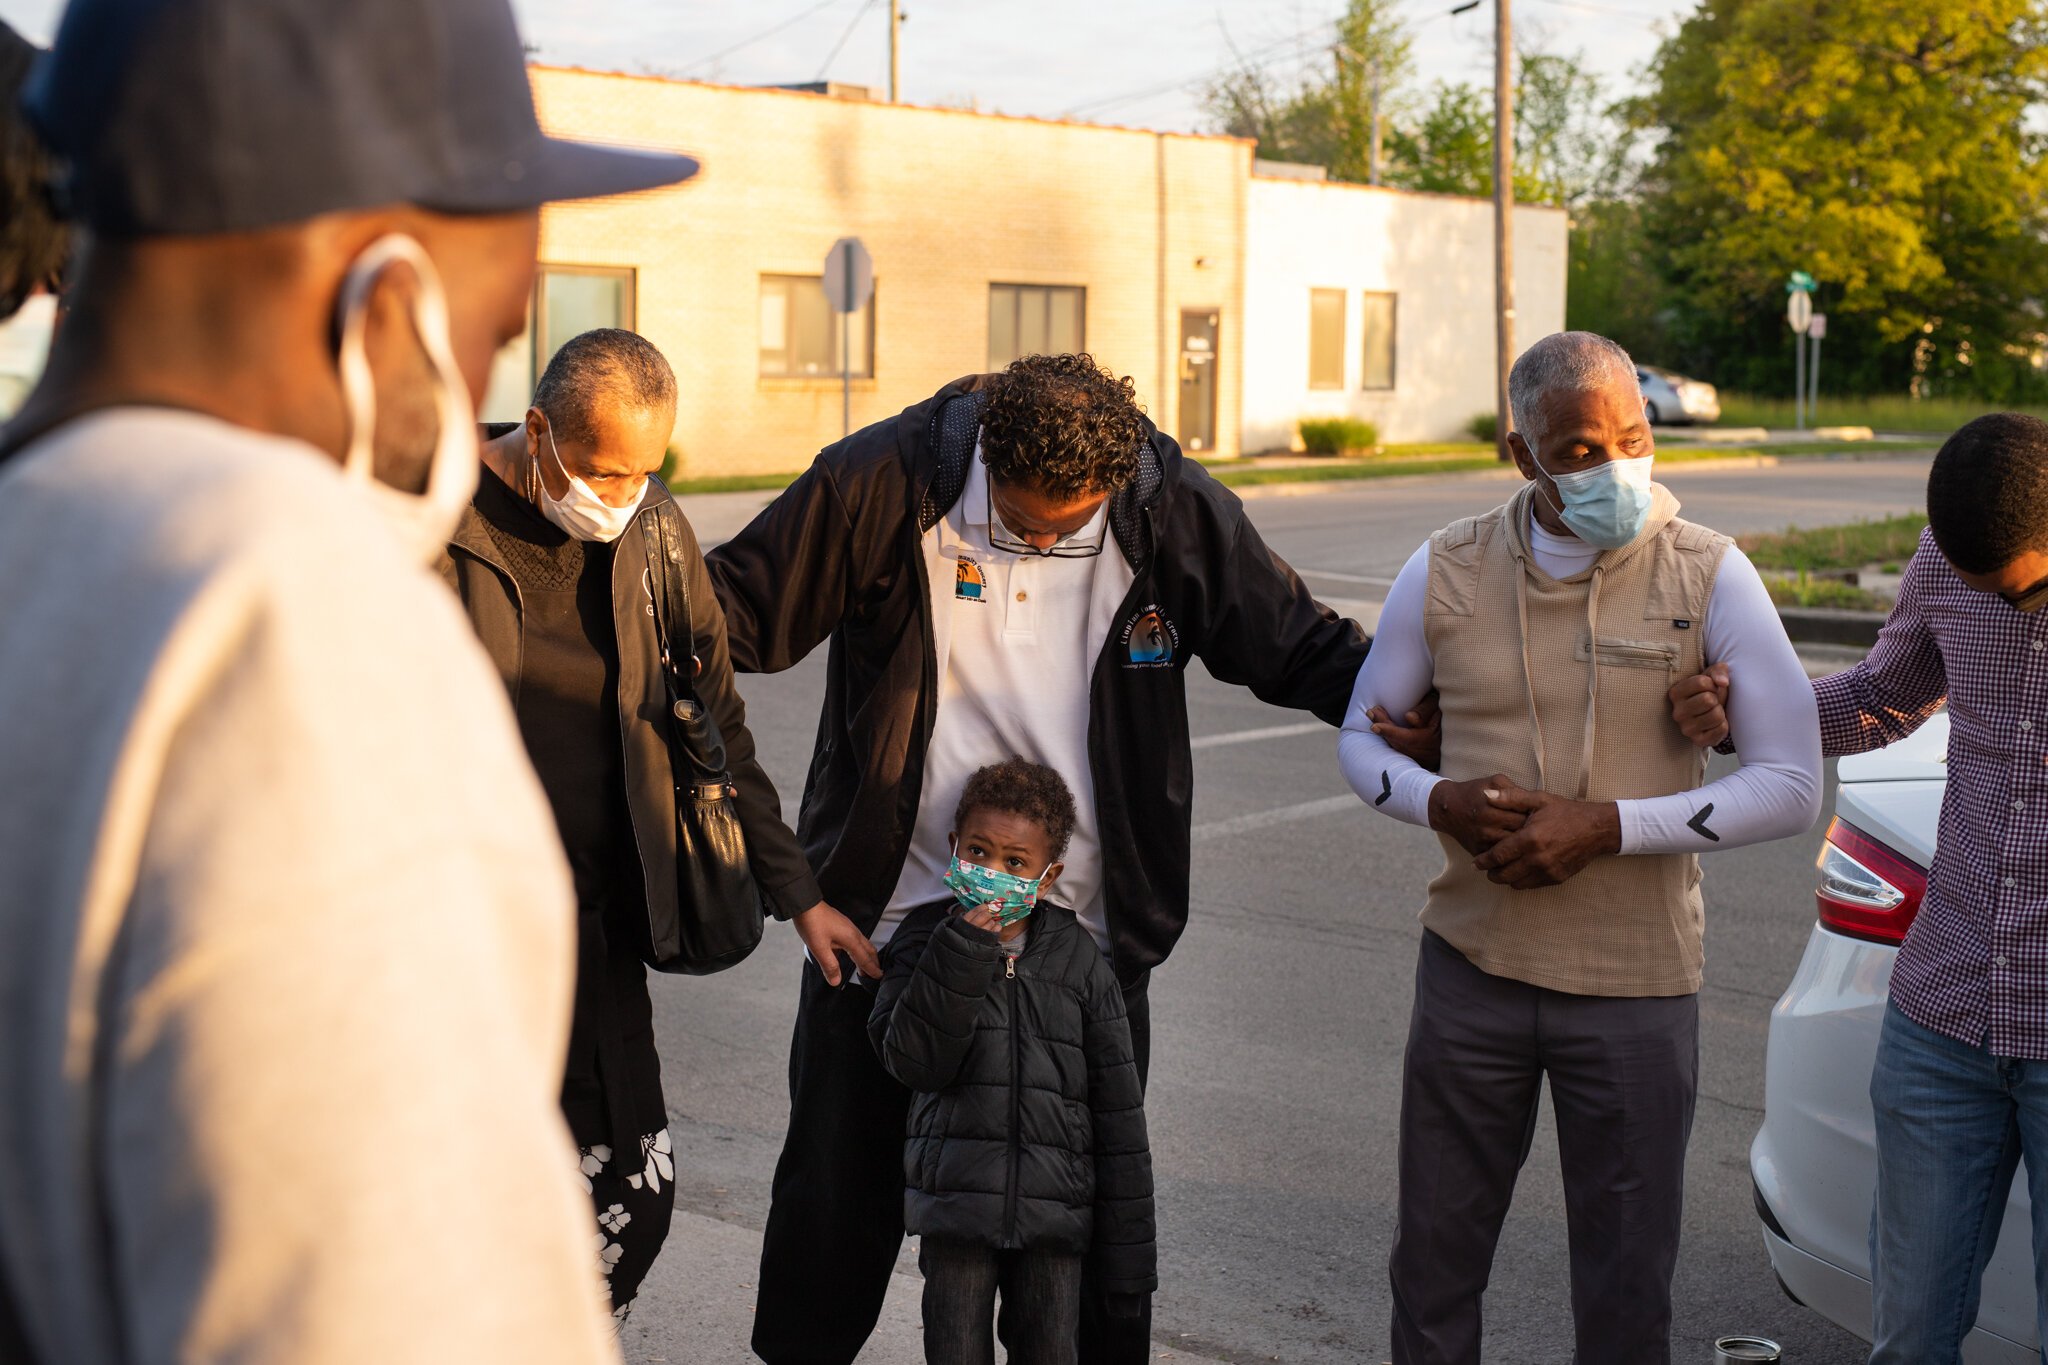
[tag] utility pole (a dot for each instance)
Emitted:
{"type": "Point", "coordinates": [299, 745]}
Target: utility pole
{"type": "Point", "coordinates": [1503, 219]}
{"type": "Point", "coordinates": [1375, 176]}
{"type": "Point", "coordinates": [895, 49]}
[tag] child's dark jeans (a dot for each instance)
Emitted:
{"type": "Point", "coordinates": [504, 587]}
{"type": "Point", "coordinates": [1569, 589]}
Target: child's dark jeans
{"type": "Point", "coordinates": [1041, 1319]}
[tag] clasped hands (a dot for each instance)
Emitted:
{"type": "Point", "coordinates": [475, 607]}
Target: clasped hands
{"type": "Point", "coordinates": [1520, 838]}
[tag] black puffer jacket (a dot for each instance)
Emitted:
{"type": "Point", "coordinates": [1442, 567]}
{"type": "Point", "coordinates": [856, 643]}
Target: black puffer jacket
{"type": "Point", "coordinates": [1028, 1125]}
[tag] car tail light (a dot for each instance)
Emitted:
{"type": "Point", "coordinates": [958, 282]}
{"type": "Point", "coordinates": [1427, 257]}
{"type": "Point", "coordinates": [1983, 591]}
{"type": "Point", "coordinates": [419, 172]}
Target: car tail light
{"type": "Point", "coordinates": [1866, 890]}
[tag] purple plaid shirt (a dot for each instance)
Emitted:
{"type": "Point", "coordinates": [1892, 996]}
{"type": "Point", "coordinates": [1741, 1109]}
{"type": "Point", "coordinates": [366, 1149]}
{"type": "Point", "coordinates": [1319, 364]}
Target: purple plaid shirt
{"type": "Point", "coordinates": [1974, 966]}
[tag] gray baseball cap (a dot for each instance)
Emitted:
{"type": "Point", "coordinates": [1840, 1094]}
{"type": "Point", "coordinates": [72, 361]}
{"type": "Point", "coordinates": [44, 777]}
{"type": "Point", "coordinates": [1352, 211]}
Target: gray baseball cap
{"type": "Point", "coordinates": [199, 116]}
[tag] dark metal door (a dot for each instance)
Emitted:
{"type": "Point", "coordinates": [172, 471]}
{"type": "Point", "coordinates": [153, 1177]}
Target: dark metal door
{"type": "Point", "coordinates": [1198, 331]}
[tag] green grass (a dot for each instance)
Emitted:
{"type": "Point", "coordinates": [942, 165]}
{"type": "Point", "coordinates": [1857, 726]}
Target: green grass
{"type": "Point", "coordinates": [732, 483]}
{"type": "Point", "coordinates": [1439, 459]}
{"type": "Point", "coordinates": [1833, 447]}
{"type": "Point", "coordinates": [1833, 593]}
{"type": "Point", "coordinates": [1351, 469]}
{"type": "Point", "coordinates": [1417, 457]}
{"type": "Point", "coordinates": [1412, 448]}
{"type": "Point", "coordinates": [1879, 412]}
{"type": "Point", "coordinates": [1889, 541]}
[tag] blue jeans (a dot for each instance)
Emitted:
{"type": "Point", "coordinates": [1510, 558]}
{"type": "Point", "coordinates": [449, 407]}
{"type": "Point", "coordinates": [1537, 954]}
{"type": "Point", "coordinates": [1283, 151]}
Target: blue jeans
{"type": "Point", "coordinates": [1952, 1124]}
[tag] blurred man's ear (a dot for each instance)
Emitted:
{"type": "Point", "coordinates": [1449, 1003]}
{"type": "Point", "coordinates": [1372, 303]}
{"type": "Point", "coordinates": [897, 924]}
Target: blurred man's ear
{"type": "Point", "coordinates": [1051, 875]}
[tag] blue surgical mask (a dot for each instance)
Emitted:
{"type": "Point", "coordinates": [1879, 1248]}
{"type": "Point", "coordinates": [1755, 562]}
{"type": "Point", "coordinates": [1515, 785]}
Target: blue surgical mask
{"type": "Point", "coordinates": [1606, 506]}
{"type": "Point", "coordinates": [1014, 896]}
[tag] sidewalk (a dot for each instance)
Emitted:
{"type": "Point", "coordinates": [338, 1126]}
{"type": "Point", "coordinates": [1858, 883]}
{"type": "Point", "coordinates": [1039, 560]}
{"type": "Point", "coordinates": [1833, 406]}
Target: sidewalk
{"type": "Point", "coordinates": [697, 1304]}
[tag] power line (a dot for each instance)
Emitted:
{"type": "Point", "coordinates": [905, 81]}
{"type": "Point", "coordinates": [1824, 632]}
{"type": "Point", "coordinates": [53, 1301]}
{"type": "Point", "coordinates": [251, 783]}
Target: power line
{"type": "Point", "coordinates": [1111, 101]}
{"type": "Point", "coordinates": [1584, 8]}
{"type": "Point", "coordinates": [840, 46]}
{"type": "Point", "coordinates": [770, 32]}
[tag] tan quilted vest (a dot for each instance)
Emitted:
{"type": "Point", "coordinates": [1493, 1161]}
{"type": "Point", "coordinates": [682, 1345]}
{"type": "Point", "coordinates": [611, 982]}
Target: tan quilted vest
{"type": "Point", "coordinates": [1513, 650]}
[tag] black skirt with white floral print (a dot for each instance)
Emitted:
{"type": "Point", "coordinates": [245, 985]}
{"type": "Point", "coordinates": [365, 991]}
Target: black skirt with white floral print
{"type": "Point", "coordinates": [634, 1199]}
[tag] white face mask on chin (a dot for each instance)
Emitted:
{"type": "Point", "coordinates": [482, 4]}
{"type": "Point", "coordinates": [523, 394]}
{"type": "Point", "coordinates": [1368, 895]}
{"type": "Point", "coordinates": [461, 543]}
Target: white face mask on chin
{"type": "Point", "coordinates": [580, 512]}
{"type": "Point", "coordinates": [422, 521]}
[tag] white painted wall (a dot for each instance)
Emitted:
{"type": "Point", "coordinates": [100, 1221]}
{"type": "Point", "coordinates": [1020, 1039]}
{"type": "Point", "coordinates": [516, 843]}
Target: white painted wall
{"type": "Point", "coordinates": [1436, 252]}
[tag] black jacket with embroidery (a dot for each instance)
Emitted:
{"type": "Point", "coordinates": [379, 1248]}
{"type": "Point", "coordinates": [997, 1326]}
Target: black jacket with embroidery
{"type": "Point", "coordinates": [839, 557]}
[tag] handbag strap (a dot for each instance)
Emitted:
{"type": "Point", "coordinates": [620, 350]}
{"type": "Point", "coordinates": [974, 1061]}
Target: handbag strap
{"type": "Point", "coordinates": [669, 591]}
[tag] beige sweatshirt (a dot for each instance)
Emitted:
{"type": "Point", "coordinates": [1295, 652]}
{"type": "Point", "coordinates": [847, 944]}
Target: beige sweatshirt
{"type": "Point", "coordinates": [285, 983]}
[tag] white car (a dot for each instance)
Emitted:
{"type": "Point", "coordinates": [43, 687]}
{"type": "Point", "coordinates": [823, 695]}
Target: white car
{"type": "Point", "coordinates": [1814, 1162]}
{"type": "Point", "coordinates": [1672, 398]}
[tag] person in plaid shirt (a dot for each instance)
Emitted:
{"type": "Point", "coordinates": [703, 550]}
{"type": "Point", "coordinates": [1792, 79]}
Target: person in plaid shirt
{"type": "Point", "coordinates": [1960, 1087]}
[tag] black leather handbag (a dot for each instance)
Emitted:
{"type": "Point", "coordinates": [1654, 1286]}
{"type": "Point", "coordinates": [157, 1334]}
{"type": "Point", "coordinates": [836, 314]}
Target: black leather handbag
{"type": "Point", "coordinates": [715, 918]}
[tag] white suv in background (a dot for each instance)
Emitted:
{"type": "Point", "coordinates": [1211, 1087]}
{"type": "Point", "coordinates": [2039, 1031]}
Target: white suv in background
{"type": "Point", "coordinates": [1814, 1162]}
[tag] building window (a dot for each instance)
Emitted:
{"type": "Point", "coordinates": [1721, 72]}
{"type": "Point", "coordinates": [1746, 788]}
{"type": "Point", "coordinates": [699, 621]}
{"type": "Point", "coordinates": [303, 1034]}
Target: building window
{"type": "Point", "coordinates": [1326, 338]}
{"type": "Point", "coordinates": [1035, 319]}
{"type": "Point", "coordinates": [1379, 342]}
{"type": "Point", "coordinates": [569, 300]}
{"type": "Point", "coordinates": [800, 333]}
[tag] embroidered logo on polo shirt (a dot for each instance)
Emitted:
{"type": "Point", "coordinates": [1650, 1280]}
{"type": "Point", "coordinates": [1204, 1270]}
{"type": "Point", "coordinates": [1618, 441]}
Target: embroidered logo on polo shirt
{"type": "Point", "coordinates": [1149, 640]}
{"type": "Point", "coordinates": [968, 581]}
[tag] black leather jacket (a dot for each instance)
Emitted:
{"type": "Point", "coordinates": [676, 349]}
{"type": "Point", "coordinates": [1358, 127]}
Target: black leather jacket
{"type": "Point", "coordinates": [491, 598]}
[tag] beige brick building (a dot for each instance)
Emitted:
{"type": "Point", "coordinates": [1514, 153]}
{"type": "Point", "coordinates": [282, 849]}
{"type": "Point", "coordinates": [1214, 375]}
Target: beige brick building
{"type": "Point", "coordinates": [990, 236]}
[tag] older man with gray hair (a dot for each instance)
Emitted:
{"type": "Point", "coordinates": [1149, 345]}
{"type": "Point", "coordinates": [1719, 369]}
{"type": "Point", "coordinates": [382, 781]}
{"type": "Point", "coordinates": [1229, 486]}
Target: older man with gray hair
{"type": "Point", "coordinates": [1563, 937]}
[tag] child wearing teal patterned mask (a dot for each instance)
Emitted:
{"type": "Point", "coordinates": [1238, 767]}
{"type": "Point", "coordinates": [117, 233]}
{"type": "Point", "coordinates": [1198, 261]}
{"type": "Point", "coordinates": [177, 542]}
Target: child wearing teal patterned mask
{"type": "Point", "coordinates": [1025, 1158]}
{"type": "Point", "coordinates": [1003, 861]}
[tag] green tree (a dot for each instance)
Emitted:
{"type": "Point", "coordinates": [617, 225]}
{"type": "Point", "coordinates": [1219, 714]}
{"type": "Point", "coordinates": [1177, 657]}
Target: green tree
{"type": "Point", "coordinates": [1374, 63]}
{"type": "Point", "coordinates": [1612, 285]}
{"type": "Point", "coordinates": [1325, 117]}
{"type": "Point", "coordinates": [1449, 147]}
{"type": "Point", "coordinates": [1566, 150]}
{"type": "Point", "coordinates": [1885, 148]}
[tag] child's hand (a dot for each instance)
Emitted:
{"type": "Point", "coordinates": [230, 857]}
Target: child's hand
{"type": "Point", "coordinates": [984, 917]}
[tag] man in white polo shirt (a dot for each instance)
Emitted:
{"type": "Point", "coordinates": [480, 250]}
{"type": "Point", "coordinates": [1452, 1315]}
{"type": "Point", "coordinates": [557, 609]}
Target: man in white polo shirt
{"type": "Point", "coordinates": [1022, 565]}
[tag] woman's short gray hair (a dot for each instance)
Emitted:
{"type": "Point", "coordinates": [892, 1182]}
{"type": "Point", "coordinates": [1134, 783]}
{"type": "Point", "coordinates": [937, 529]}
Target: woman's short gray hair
{"type": "Point", "coordinates": [1564, 362]}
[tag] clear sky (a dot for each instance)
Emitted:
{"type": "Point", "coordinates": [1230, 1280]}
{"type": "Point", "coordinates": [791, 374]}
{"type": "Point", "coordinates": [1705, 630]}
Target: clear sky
{"type": "Point", "coordinates": [1139, 62]}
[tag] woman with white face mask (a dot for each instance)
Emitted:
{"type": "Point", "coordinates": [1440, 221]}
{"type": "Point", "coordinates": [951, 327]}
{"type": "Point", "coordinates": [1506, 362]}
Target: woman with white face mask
{"type": "Point", "coordinates": [551, 565]}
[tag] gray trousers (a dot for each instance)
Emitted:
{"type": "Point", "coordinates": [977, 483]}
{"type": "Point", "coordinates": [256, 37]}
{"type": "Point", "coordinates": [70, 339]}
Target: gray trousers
{"type": "Point", "coordinates": [1624, 1074]}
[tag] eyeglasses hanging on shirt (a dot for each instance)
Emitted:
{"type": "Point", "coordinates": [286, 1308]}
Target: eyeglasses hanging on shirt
{"type": "Point", "coordinates": [1073, 545]}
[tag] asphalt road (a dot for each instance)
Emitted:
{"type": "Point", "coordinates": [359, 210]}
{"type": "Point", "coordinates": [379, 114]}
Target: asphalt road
{"type": "Point", "coordinates": [1279, 1022]}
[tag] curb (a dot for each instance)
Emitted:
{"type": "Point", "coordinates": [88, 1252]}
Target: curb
{"type": "Point", "coordinates": [1826, 626]}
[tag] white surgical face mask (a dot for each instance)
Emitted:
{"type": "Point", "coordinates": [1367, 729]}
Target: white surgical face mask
{"type": "Point", "coordinates": [422, 521]}
{"type": "Point", "coordinates": [582, 513]}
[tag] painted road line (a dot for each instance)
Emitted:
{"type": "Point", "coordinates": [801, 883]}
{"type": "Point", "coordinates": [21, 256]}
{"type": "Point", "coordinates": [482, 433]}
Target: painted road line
{"type": "Point", "coordinates": [1307, 727]}
{"type": "Point", "coordinates": [1266, 819]}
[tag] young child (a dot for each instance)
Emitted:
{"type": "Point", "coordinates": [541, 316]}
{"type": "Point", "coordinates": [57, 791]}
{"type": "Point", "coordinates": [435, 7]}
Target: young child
{"type": "Point", "coordinates": [1025, 1152]}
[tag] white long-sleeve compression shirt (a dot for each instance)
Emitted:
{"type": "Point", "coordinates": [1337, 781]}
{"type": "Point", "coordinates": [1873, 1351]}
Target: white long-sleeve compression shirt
{"type": "Point", "coordinates": [1776, 791]}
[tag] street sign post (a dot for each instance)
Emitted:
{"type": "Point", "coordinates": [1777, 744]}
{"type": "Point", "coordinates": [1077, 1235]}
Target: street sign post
{"type": "Point", "coordinates": [849, 284]}
{"type": "Point", "coordinates": [1815, 330]}
{"type": "Point", "coordinates": [1799, 315]}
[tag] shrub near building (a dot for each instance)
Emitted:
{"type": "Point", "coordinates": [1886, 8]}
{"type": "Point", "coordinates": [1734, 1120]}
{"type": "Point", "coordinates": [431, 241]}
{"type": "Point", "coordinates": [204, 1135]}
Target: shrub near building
{"type": "Point", "coordinates": [1338, 436]}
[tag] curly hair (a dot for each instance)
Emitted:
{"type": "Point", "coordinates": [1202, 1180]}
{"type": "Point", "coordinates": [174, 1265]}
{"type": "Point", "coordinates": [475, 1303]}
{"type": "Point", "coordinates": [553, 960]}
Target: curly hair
{"type": "Point", "coordinates": [34, 241]}
{"type": "Point", "coordinates": [1062, 426]}
{"type": "Point", "coordinates": [1017, 786]}
{"type": "Point", "coordinates": [1987, 494]}
{"type": "Point", "coordinates": [603, 362]}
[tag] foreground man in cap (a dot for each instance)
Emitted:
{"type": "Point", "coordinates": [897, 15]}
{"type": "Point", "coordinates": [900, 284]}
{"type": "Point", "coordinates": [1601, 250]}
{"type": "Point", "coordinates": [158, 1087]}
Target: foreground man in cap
{"type": "Point", "coordinates": [285, 992]}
